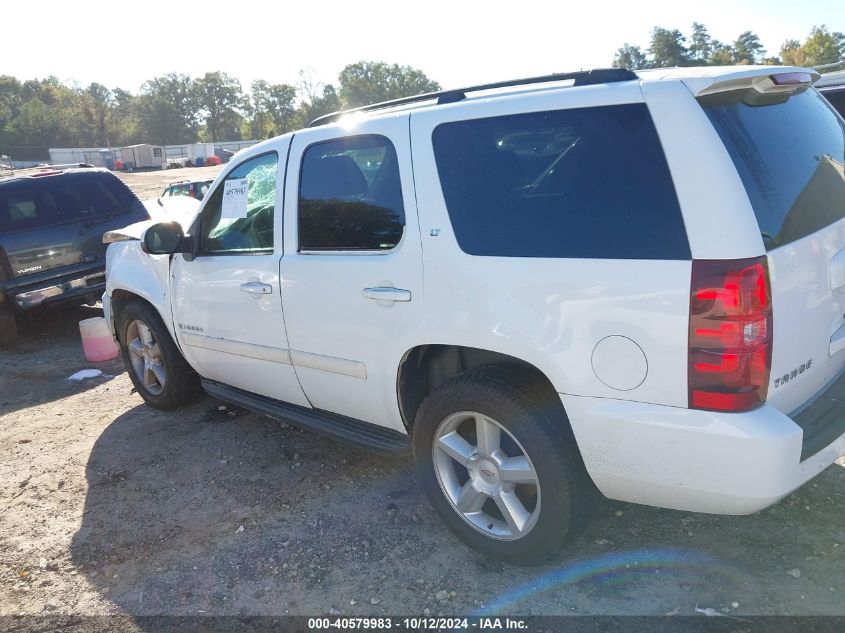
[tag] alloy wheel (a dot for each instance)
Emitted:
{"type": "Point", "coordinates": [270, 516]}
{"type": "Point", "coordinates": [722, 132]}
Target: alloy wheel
{"type": "Point", "coordinates": [486, 475]}
{"type": "Point", "coordinates": [145, 357]}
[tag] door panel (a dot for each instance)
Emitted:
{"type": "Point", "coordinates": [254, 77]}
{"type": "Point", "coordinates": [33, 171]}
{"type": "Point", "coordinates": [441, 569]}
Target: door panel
{"type": "Point", "coordinates": [227, 306]}
{"type": "Point", "coordinates": [352, 274]}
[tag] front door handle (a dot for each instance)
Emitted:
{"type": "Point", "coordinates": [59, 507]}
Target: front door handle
{"type": "Point", "coordinates": [256, 288]}
{"type": "Point", "coordinates": [386, 293]}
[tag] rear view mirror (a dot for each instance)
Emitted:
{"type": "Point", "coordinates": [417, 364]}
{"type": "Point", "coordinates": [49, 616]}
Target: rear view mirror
{"type": "Point", "coordinates": [163, 238]}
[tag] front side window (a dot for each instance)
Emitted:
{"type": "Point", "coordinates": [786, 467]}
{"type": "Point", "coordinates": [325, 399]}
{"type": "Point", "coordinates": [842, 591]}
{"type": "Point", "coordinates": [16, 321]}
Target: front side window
{"type": "Point", "coordinates": [579, 183]}
{"type": "Point", "coordinates": [350, 196]}
{"type": "Point", "coordinates": [238, 217]}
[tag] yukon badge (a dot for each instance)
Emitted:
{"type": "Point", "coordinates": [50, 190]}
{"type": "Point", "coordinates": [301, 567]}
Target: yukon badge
{"type": "Point", "coordinates": [793, 374]}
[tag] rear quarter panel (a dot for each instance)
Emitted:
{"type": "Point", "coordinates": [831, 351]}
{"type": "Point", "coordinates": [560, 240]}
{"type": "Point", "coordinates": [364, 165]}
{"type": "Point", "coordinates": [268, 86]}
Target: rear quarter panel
{"type": "Point", "coordinates": [548, 312]}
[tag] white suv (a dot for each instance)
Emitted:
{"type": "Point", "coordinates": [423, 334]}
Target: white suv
{"type": "Point", "coordinates": [632, 281]}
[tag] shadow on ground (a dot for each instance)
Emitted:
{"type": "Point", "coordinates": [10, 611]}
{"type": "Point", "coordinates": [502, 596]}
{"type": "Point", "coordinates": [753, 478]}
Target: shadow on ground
{"type": "Point", "coordinates": [49, 350]}
{"type": "Point", "coordinates": [209, 511]}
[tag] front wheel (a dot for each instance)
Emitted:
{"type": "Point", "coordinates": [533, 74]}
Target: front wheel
{"type": "Point", "coordinates": [501, 474]}
{"type": "Point", "coordinates": [156, 367]}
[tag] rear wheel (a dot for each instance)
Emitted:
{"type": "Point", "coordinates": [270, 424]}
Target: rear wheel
{"type": "Point", "coordinates": [503, 475]}
{"type": "Point", "coordinates": [156, 367]}
{"type": "Point", "coordinates": [8, 325]}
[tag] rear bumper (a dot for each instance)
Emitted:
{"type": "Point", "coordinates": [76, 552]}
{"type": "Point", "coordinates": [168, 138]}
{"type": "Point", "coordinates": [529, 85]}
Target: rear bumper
{"type": "Point", "coordinates": [63, 289]}
{"type": "Point", "coordinates": [693, 460]}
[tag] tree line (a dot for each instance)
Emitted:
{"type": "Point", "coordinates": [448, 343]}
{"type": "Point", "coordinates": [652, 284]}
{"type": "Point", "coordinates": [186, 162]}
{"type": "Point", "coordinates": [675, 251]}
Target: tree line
{"type": "Point", "coordinates": [175, 108]}
{"type": "Point", "coordinates": [670, 47]}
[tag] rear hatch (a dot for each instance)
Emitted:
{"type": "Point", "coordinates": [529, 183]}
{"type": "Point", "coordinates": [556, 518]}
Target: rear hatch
{"type": "Point", "coordinates": [789, 150]}
{"type": "Point", "coordinates": [53, 221]}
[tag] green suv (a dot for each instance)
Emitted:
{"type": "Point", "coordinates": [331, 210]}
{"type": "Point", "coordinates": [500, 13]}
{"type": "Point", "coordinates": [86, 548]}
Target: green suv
{"type": "Point", "coordinates": [51, 228]}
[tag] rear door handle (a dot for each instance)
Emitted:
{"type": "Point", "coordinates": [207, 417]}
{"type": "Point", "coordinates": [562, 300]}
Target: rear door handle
{"type": "Point", "coordinates": [386, 293]}
{"type": "Point", "coordinates": [256, 288]}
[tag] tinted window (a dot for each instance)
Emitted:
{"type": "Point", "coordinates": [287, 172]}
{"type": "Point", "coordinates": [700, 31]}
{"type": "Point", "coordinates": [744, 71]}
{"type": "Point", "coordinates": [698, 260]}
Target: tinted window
{"type": "Point", "coordinates": [202, 189]}
{"type": "Point", "coordinates": [31, 203]}
{"type": "Point", "coordinates": [789, 153]}
{"type": "Point", "coordinates": [589, 182]}
{"type": "Point", "coordinates": [248, 226]}
{"type": "Point", "coordinates": [176, 190]}
{"type": "Point", "coordinates": [836, 98]}
{"type": "Point", "coordinates": [350, 196]}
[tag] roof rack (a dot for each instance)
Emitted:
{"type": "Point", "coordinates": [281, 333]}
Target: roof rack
{"type": "Point", "coordinates": [41, 169]}
{"type": "Point", "coordinates": [581, 78]}
{"type": "Point", "coordinates": [825, 67]}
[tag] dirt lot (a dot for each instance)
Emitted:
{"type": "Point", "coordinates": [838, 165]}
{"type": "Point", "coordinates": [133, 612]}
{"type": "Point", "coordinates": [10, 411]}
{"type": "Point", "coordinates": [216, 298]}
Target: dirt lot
{"type": "Point", "coordinates": [107, 506]}
{"type": "Point", "coordinates": [148, 184]}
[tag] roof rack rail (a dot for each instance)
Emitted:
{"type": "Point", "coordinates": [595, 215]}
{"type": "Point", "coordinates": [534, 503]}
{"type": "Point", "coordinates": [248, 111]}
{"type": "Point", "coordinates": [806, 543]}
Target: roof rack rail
{"type": "Point", "coordinates": [37, 169]}
{"type": "Point", "coordinates": [832, 66]}
{"type": "Point", "coordinates": [581, 78]}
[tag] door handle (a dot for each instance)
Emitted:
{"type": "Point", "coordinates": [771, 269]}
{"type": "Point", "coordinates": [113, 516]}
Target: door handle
{"type": "Point", "coordinates": [256, 288]}
{"type": "Point", "coordinates": [386, 293]}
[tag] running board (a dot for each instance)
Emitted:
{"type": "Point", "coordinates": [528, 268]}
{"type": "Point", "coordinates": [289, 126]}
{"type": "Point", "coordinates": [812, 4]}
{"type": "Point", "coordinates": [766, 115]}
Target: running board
{"type": "Point", "coordinates": [339, 427]}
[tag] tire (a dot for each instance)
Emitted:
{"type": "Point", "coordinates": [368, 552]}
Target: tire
{"type": "Point", "coordinates": [158, 370]}
{"type": "Point", "coordinates": [8, 326]}
{"type": "Point", "coordinates": [561, 487]}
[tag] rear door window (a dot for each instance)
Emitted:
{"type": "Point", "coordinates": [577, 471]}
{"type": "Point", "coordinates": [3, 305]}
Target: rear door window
{"type": "Point", "coordinates": [580, 183]}
{"type": "Point", "coordinates": [350, 196]}
{"type": "Point", "coordinates": [789, 152]}
{"type": "Point", "coordinates": [32, 203]}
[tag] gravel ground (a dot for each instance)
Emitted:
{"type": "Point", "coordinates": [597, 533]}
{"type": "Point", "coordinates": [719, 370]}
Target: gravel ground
{"type": "Point", "coordinates": [110, 507]}
{"type": "Point", "coordinates": [107, 506]}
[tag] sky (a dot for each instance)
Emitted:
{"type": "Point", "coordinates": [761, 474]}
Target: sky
{"type": "Point", "coordinates": [121, 44]}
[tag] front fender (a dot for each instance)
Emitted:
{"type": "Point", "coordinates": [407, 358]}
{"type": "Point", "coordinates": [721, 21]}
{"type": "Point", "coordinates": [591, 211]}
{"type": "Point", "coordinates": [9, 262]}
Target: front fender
{"type": "Point", "coordinates": [131, 270]}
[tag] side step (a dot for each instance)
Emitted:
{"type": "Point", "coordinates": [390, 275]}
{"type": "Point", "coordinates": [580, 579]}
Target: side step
{"type": "Point", "coordinates": [339, 427]}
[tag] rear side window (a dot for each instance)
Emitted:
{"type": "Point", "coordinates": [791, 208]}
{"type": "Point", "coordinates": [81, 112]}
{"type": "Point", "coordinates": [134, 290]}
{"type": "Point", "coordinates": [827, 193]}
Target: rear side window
{"type": "Point", "coordinates": [350, 196]}
{"type": "Point", "coordinates": [789, 152]}
{"type": "Point", "coordinates": [580, 183]}
{"type": "Point", "coordinates": [836, 99]}
{"type": "Point", "coordinates": [32, 203]}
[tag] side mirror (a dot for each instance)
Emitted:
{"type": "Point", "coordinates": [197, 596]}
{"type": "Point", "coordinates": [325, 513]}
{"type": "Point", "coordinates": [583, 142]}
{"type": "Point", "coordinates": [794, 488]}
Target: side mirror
{"type": "Point", "coordinates": [163, 238]}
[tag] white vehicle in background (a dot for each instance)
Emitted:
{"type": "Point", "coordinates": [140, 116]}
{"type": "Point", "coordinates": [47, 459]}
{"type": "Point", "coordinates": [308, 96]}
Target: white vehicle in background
{"type": "Point", "coordinates": [631, 281]}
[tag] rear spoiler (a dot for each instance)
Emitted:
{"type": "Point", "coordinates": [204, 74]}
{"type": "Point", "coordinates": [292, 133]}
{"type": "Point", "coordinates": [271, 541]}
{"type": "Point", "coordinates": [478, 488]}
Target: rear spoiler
{"type": "Point", "coordinates": [762, 79]}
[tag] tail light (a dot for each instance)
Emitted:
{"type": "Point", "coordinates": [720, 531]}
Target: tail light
{"type": "Point", "coordinates": [730, 334]}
